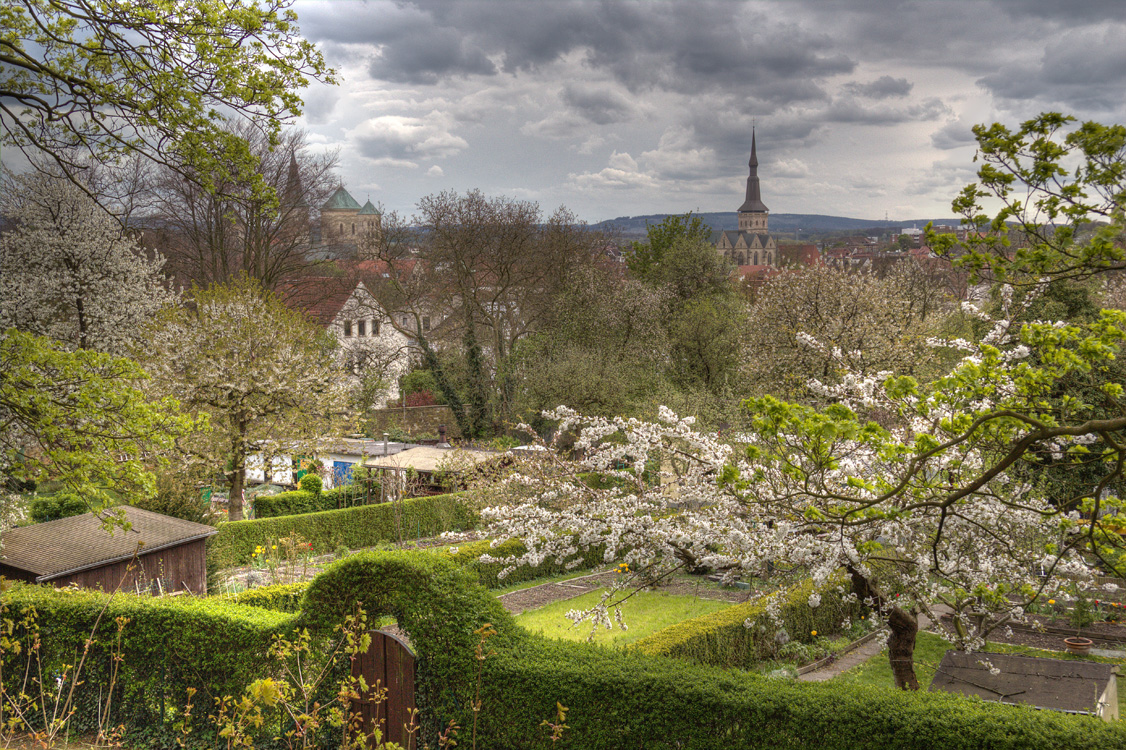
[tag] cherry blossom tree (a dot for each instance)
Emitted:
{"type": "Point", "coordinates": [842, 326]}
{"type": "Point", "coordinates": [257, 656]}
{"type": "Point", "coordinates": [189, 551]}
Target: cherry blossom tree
{"type": "Point", "coordinates": [266, 375]}
{"type": "Point", "coordinates": [943, 511]}
{"type": "Point", "coordinates": [69, 270]}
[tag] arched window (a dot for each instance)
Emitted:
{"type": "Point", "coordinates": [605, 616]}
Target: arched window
{"type": "Point", "coordinates": [756, 257]}
{"type": "Point", "coordinates": [353, 228]}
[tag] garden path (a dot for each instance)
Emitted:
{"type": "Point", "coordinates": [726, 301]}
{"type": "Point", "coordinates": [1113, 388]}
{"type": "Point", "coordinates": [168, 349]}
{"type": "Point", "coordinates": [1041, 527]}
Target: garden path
{"type": "Point", "coordinates": [853, 658]}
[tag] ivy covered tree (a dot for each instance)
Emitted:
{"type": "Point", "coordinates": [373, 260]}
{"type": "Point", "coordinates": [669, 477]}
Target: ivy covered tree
{"type": "Point", "coordinates": [103, 78]}
{"type": "Point", "coordinates": [68, 270]}
{"type": "Point", "coordinates": [266, 376]}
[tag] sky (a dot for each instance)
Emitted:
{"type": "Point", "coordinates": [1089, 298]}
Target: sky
{"type": "Point", "coordinates": [862, 108]}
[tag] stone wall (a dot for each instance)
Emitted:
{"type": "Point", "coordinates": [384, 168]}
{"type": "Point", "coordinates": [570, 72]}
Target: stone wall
{"type": "Point", "coordinates": [415, 420]}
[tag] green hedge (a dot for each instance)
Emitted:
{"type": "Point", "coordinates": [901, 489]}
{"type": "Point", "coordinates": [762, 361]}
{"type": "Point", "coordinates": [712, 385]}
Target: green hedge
{"type": "Point", "coordinates": [301, 501]}
{"type": "Point", "coordinates": [488, 573]}
{"type": "Point", "coordinates": [625, 699]}
{"type": "Point", "coordinates": [169, 645]}
{"type": "Point", "coordinates": [723, 638]}
{"type": "Point", "coordinates": [280, 597]}
{"type": "Point", "coordinates": [355, 528]}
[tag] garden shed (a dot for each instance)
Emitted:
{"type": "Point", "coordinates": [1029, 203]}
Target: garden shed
{"type": "Point", "coordinates": [1074, 687]}
{"type": "Point", "coordinates": [170, 553]}
{"type": "Point", "coordinates": [429, 462]}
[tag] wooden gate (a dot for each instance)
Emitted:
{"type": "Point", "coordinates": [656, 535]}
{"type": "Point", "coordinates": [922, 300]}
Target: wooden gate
{"type": "Point", "coordinates": [388, 663]}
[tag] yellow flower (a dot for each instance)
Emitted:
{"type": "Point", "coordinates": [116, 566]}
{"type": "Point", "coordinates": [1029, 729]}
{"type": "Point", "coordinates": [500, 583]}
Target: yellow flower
{"type": "Point", "coordinates": [1051, 601]}
{"type": "Point", "coordinates": [813, 632]}
{"type": "Point", "coordinates": [274, 547]}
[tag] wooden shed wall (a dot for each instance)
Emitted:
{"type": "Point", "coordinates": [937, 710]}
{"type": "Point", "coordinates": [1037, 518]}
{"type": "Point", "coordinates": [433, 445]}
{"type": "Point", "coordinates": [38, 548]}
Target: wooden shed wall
{"type": "Point", "coordinates": [180, 568]}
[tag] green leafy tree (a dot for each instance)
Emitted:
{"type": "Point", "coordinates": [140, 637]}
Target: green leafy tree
{"type": "Point", "coordinates": [1062, 192]}
{"type": "Point", "coordinates": [104, 78]}
{"type": "Point", "coordinates": [80, 418]}
{"type": "Point", "coordinates": [267, 377]}
{"type": "Point", "coordinates": [647, 259]}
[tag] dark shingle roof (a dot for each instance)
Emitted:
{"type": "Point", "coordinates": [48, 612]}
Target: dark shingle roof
{"type": "Point", "coordinates": [68, 545]}
{"type": "Point", "coordinates": [1072, 686]}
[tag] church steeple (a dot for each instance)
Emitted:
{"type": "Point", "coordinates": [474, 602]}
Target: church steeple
{"type": "Point", "coordinates": [753, 213]}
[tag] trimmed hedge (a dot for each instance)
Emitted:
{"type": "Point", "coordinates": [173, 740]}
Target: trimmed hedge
{"type": "Point", "coordinates": [722, 638]}
{"type": "Point", "coordinates": [303, 501]}
{"type": "Point", "coordinates": [355, 528]}
{"type": "Point", "coordinates": [625, 699]}
{"type": "Point", "coordinates": [280, 597]}
{"type": "Point", "coordinates": [487, 573]}
{"type": "Point", "coordinates": [169, 645]}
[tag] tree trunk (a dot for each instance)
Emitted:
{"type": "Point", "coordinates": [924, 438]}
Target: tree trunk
{"type": "Point", "coordinates": [904, 625]}
{"type": "Point", "coordinates": [901, 648]}
{"type": "Point", "coordinates": [238, 473]}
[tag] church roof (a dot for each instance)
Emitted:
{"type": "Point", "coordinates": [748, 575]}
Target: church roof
{"type": "Point", "coordinates": [369, 210]}
{"type": "Point", "coordinates": [753, 203]}
{"type": "Point", "coordinates": [340, 200]}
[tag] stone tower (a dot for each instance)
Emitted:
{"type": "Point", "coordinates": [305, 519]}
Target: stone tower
{"type": "Point", "coordinates": [753, 214]}
{"type": "Point", "coordinates": [752, 244]}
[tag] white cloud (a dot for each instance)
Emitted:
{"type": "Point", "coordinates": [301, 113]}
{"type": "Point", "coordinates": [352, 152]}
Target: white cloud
{"type": "Point", "coordinates": [398, 139]}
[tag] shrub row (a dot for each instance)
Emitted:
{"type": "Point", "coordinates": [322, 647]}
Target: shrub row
{"type": "Point", "coordinates": [489, 573]}
{"type": "Point", "coordinates": [280, 597]}
{"type": "Point", "coordinates": [168, 645]}
{"type": "Point", "coordinates": [355, 528]}
{"type": "Point", "coordinates": [302, 501]}
{"type": "Point", "coordinates": [625, 699]}
{"type": "Point", "coordinates": [744, 634]}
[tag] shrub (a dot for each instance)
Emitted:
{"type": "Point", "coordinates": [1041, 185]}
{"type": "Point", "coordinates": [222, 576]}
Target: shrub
{"type": "Point", "coordinates": [745, 634]}
{"type": "Point", "coordinates": [282, 597]}
{"type": "Point", "coordinates": [311, 483]}
{"type": "Point", "coordinates": [169, 645]}
{"type": "Point", "coordinates": [355, 528]}
{"type": "Point", "coordinates": [54, 507]}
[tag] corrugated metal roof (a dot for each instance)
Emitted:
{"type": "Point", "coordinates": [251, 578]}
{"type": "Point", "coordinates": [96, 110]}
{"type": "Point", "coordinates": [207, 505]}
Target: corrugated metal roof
{"type": "Point", "coordinates": [1073, 686]}
{"type": "Point", "coordinates": [429, 458]}
{"type": "Point", "coordinates": [68, 545]}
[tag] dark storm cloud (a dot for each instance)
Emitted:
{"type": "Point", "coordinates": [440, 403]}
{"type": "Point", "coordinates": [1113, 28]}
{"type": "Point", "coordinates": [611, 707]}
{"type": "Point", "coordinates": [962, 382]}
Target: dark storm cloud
{"type": "Point", "coordinates": [598, 104]}
{"type": "Point", "coordinates": [1084, 69]}
{"type": "Point", "coordinates": [884, 87]}
{"type": "Point", "coordinates": [683, 47]}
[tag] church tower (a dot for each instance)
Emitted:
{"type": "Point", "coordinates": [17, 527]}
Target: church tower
{"type": "Point", "coordinates": [753, 214]}
{"type": "Point", "coordinates": [751, 245]}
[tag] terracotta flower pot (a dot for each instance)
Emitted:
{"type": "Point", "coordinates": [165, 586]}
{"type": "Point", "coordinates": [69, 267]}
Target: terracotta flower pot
{"type": "Point", "coordinates": [1078, 646]}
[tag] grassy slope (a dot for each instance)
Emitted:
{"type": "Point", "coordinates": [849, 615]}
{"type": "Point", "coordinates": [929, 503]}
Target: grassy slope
{"type": "Point", "coordinates": [646, 612]}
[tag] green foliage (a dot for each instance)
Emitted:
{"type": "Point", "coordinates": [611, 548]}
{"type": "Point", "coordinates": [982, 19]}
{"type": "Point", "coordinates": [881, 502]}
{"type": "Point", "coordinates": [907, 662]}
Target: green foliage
{"type": "Point", "coordinates": [169, 646]}
{"type": "Point", "coordinates": [618, 700]}
{"type": "Point", "coordinates": [649, 259]}
{"type": "Point", "coordinates": [420, 381]}
{"type": "Point", "coordinates": [437, 603]}
{"type": "Point", "coordinates": [54, 507]}
{"type": "Point", "coordinates": [1053, 180]}
{"type": "Point", "coordinates": [743, 635]}
{"type": "Point", "coordinates": [355, 528]}
{"type": "Point", "coordinates": [281, 597]}
{"type": "Point", "coordinates": [312, 484]}
{"type": "Point", "coordinates": [176, 495]}
{"type": "Point", "coordinates": [79, 417]}
{"type": "Point", "coordinates": [107, 78]}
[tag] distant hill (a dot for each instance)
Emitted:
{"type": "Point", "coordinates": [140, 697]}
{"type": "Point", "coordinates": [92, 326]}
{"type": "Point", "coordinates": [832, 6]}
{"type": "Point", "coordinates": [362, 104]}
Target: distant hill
{"type": "Point", "coordinates": [781, 223]}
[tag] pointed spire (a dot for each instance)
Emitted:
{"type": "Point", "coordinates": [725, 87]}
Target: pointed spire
{"type": "Point", "coordinates": [753, 203]}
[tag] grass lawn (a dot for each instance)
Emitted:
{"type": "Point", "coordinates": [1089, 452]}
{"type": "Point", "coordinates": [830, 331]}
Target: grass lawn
{"type": "Point", "coordinates": [929, 650]}
{"type": "Point", "coordinates": [645, 613]}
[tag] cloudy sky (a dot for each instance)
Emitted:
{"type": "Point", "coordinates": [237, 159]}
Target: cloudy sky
{"type": "Point", "coordinates": [862, 107]}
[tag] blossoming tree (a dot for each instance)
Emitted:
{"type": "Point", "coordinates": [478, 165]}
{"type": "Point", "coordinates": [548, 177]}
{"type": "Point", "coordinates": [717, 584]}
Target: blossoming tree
{"type": "Point", "coordinates": [940, 507]}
